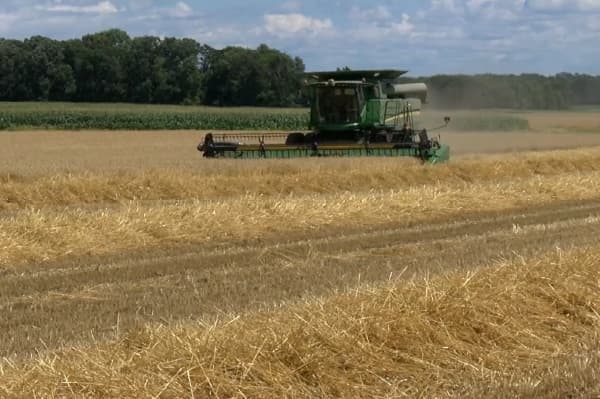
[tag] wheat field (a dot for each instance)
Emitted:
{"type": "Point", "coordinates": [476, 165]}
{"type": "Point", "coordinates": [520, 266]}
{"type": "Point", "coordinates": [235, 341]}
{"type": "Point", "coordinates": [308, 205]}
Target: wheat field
{"type": "Point", "coordinates": [516, 329]}
{"type": "Point", "coordinates": [132, 267]}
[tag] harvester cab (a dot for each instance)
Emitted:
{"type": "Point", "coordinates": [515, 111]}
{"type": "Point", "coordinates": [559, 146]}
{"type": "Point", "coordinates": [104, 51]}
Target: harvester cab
{"type": "Point", "coordinates": [352, 113]}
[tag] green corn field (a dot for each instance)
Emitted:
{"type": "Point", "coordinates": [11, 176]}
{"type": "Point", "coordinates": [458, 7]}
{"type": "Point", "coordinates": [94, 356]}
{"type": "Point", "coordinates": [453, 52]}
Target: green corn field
{"type": "Point", "coordinates": [78, 116]}
{"type": "Point", "coordinates": [15, 116]}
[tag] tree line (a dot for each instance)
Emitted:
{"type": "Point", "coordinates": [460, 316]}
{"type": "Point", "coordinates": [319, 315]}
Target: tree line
{"type": "Point", "coordinates": [525, 91]}
{"type": "Point", "coordinates": [111, 66]}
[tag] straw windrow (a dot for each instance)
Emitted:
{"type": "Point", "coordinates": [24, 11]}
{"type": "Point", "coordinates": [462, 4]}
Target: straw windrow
{"type": "Point", "coordinates": [232, 178]}
{"type": "Point", "coordinates": [525, 328]}
{"type": "Point", "coordinates": [39, 235]}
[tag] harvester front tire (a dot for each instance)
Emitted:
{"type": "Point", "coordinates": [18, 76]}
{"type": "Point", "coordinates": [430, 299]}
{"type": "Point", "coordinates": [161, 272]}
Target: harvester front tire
{"type": "Point", "coordinates": [294, 139]}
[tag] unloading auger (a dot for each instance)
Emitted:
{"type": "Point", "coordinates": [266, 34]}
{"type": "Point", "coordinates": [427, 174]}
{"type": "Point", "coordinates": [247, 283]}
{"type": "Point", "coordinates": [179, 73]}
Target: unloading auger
{"type": "Point", "coordinates": [352, 113]}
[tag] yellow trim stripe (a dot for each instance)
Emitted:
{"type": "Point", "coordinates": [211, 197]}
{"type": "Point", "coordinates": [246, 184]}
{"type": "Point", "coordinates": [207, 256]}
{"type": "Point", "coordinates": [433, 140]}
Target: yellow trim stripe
{"type": "Point", "coordinates": [401, 115]}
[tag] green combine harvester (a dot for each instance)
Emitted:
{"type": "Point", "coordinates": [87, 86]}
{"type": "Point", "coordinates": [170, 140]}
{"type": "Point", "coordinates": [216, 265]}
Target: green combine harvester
{"type": "Point", "coordinates": [353, 113]}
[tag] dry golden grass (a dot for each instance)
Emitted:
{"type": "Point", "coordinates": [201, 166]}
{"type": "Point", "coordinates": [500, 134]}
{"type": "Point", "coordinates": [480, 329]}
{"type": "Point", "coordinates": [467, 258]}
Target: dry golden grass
{"type": "Point", "coordinates": [47, 152]}
{"type": "Point", "coordinates": [519, 329]}
{"type": "Point", "coordinates": [468, 143]}
{"type": "Point", "coordinates": [223, 179]}
{"type": "Point", "coordinates": [27, 153]}
{"type": "Point", "coordinates": [31, 236]}
{"type": "Point", "coordinates": [82, 218]}
{"type": "Point", "coordinates": [89, 299]}
{"type": "Point", "coordinates": [561, 121]}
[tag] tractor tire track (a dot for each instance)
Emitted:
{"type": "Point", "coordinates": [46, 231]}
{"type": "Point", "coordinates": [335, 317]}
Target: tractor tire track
{"type": "Point", "coordinates": [86, 300]}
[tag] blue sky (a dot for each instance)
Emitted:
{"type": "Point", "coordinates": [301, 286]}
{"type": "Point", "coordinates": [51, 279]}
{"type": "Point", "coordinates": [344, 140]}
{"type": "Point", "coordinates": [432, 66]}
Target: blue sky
{"type": "Point", "coordinates": [427, 36]}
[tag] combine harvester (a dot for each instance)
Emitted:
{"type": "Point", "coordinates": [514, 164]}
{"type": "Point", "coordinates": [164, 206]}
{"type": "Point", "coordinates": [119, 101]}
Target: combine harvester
{"type": "Point", "coordinates": [353, 113]}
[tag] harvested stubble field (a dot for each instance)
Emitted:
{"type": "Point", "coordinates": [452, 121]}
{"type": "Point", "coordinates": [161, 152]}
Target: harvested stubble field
{"type": "Point", "coordinates": [24, 153]}
{"type": "Point", "coordinates": [518, 329]}
{"type": "Point", "coordinates": [152, 272]}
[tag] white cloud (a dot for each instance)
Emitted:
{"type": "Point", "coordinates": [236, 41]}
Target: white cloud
{"type": "Point", "coordinates": [220, 36]}
{"type": "Point", "coordinates": [139, 4]}
{"type": "Point", "coordinates": [588, 4]}
{"type": "Point", "coordinates": [103, 7]}
{"type": "Point", "coordinates": [404, 26]}
{"type": "Point", "coordinates": [474, 5]}
{"type": "Point", "coordinates": [425, 36]}
{"type": "Point", "coordinates": [181, 10]}
{"type": "Point", "coordinates": [290, 5]}
{"type": "Point", "coordinates": [556, 5]}
{"type": "Point", "coordinates": [285, 25]}
{"type": "Point", "coordinates": [6, 21]}
{"type": "Point", "coordinates": [373, 14]}
{"type": "Point", "coordinates": [386, 31]}
{"type": "Point", "coordinates": [441, 37]}
{"type": "Point", "coordinates": [496, 9]}
{"type": "Point", "coordinates": [446, 5]}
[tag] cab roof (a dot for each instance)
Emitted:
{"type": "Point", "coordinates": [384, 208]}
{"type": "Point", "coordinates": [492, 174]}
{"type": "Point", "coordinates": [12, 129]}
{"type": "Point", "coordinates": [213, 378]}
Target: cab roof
{"type": "Point", "coordinates": [335, 83]}
{"type": "Point", "coordinates": [358, 75]}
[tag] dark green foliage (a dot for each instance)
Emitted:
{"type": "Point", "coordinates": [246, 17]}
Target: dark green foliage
{"type": "Point", "coordinates": [138, 117]}
{"type": "Point", "coordinates": [13, 75]}
{"type": "Point", "coordinates": [110, 66]}
{"type": "Point", "coordinates": [261, 77]}
{"type": "Point", "coordinates": [34, 69]}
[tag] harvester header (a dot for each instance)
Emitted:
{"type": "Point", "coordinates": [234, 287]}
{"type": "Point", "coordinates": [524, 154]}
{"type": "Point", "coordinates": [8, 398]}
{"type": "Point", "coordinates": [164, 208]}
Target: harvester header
{"type": "Point", "coordinates": [352, 113]}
